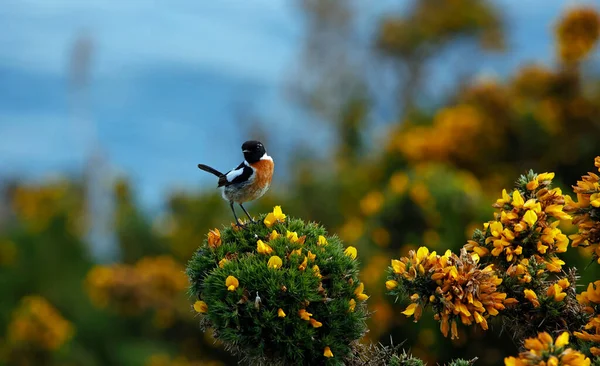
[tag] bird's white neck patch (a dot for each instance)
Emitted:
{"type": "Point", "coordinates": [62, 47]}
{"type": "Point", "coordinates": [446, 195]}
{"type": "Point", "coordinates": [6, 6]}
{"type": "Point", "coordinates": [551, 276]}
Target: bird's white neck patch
{"type": "Point", "coordinates": [266, 157]}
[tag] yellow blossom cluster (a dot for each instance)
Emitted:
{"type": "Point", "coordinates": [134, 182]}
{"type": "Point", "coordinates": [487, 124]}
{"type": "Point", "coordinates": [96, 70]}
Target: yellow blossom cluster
{"type": "Point", "coordinates": [577, 33]}
{"type": "Point", "coordinates": [153, 282]}
{"type": "Point", "coordinates": [590, 299]}
{"type": "Point", "coordinates": [37, 323]}
{"type": "Point", "coordinates": [455, 129]}
{"type": "Point", "coordinates": [543, 350]}
{"type": "Point", "coordinates": [38, 205]}
{"type": "Point", "coordinates": [527, 225]}
{"type": "Point", "coordinates": [586, 211]}
{"type": "Point", "coordinates": [463, 290]}
{"type": "Point", "coordinates": [556, 292]}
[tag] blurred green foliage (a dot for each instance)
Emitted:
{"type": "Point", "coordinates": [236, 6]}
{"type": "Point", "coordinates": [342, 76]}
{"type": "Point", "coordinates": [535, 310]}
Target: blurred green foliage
{"type": "Point", "coordinates": [430, 180]}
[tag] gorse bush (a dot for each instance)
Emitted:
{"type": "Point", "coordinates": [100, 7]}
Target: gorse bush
{"type": "Point", "coordinates": [280, 291]}
{"type": "Point", "coordinates": [511, 270]}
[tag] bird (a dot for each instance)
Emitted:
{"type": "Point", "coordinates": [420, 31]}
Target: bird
{"type": "Point", "coordinates": [248, 181]}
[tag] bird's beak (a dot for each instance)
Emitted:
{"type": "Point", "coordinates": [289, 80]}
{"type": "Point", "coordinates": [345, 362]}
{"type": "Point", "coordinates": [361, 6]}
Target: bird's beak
{"type": "Point", "coordinates": [245, 151]}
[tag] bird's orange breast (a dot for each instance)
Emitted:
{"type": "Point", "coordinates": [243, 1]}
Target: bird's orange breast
{"type": "Point", "coordinates": [264, 172]}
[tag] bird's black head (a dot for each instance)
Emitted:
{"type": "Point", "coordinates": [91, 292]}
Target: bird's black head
{"type": "Point", "coordinates": [253, 151]}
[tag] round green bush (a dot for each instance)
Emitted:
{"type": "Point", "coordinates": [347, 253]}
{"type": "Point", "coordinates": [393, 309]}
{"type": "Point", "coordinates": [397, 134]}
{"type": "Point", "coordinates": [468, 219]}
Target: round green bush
{"type": "Point", "coordinates": [306, 308]}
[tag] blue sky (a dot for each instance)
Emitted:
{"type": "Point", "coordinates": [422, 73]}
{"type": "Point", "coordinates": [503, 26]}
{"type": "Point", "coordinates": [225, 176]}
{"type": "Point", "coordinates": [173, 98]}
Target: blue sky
{"type": "Point", "coordinates": [170, 78]}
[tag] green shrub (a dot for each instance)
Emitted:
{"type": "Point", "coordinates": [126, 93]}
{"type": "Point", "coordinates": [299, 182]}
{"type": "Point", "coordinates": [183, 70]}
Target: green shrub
{"type": "Point", "coordinates": [279, 291]}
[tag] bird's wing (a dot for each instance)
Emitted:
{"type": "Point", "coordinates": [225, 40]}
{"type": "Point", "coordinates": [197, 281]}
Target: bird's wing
{"type": "Point", "coordinates": [238, 175]}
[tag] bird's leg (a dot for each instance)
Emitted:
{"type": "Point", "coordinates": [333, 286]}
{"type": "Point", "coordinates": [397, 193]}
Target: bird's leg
{"type": "Point", "coordinates": [237, 221]}
{"type": "Point", "coordinates": [247, 214]}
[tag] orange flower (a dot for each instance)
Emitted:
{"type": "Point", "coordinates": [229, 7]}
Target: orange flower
{"type": "Point", "coordinates": [304, 315]}
{"type": "Point", "coordinates": [214, 238]}
{"type": "Point", "coordinates": [315, 323]}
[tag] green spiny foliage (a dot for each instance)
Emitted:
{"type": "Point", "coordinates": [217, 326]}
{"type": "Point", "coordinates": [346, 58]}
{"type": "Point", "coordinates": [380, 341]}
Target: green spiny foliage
{"type": "Point", "coordinates": [246, 317]}
{"type": "Point", "coordinates": [381, 355]}
{"type": "Point", "coordinates": [461, 362]}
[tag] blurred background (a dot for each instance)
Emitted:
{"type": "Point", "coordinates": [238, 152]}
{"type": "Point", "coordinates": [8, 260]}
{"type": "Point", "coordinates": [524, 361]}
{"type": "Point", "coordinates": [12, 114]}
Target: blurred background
{"type": "Point", "coordinates": [393, 123]}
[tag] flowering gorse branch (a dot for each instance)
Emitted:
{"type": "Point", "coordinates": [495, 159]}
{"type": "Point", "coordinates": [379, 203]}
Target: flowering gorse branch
{"type": "Point", "coordinates": [456, 287]}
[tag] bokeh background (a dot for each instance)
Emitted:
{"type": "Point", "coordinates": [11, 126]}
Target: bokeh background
{"type": "Point", "coordinates": [393, 123]}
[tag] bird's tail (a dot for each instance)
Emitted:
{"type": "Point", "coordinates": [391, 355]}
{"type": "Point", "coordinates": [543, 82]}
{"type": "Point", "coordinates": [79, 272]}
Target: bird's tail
{"type": "Point", "coordinates": [206, 168]}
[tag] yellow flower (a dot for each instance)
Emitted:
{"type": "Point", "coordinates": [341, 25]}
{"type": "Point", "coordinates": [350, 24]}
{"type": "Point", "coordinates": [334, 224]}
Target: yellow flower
{"type": "Point", "coordinates": [532, 185]}
{"type": "Point", "coordinates": [557, 211]}
{"type": "Point", "coordinates": [273, 217]}
{"type": "Point", "coordinates": [275, 262]}
{"type": "Point", "coordinates": [504, 200]}
{"type": "Point", "coordinates": [280, 313]}
{"type": "Point", "coordinates": [274, 235]}
{"type": "Point", "coordinates": [398, 266]}
{"type": "Point", "coordinates": [296, 252]}
{"type": "Point", "coordinates": [530, 218]}
{"type": "Point", "coordinates": [564, 283]}
{"type": "Point", "coordinates": [232, 283]}
{"type": "Point", "coordinates": [263, 248]}
{"type": "Point", "coordinates": [292, 236]}
{"type": "Point", "coordinates": [595, 200]}
{"type": "Point", "coordinates": [517, 200]}
{"type": "Point", "coordinates": [543, 177]}
{"type": "Point", "coordinates": [222, 262]}
{"type": "Point", "coordinates": [555, 264]}
{"type": "Point", "coordinates": [214, 238]}
{"type": "Point", "coordinates": [311, 257]}
{"type": "Point", "coordinates": [304, 315]}
{"type": "Point", "coordinates": [496, 229]}
{"type": "Point", "coordinates": [304, 263]}
{"type": "Point", "coordinates": [351, 252]}
{"type": "Point", "coordinates": [410, 310]}
{"type": "Point", "coordinates": [532, 297]}
{"type": "Point", "coordinates": [321, 241]}
{"type": "Point", "coordinates": [562, 340]}
{"type": "Point", "coordinates": [200, 307]}
{"type": "Point", "coordinates": [556, 291]}
{"type": "Point", "coordinates": [315, 323]}
{"type": "Point", "coordinates": [327, 352]}
{"type": "Point", "coordinates": [359, 292]}
{"type": "Point", "coordinates": [352, 305]}
{"type": "Point", "coordinates": [532, 204]}
{"type": "Point", "coordinates": [317, 271]}
{"type": "Point", "coordinates": [391, 284]}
